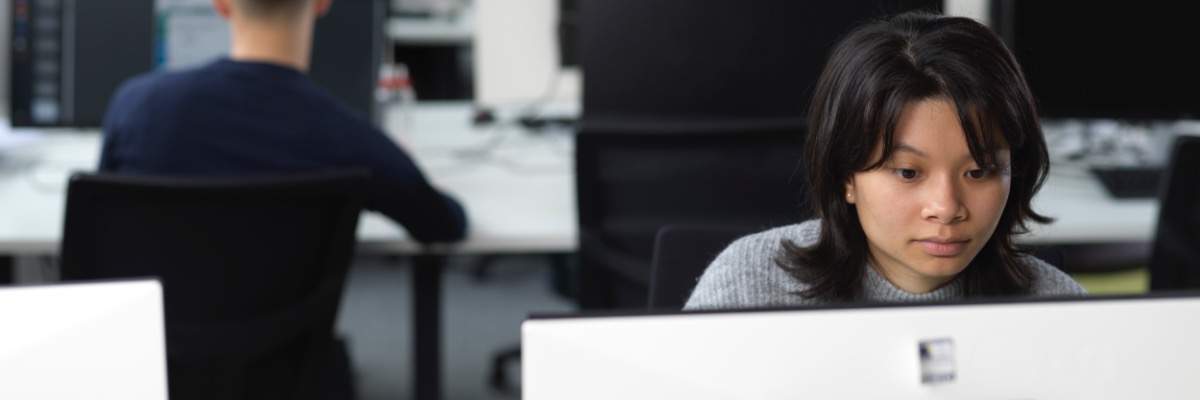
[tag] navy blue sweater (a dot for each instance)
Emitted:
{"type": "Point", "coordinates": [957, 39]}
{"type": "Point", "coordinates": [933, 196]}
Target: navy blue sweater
{"type": "Point", "coordinates": [233, 118]}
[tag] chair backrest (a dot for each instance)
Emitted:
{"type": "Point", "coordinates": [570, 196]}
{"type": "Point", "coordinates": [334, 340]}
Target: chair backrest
{"type": "Point", "coordinates": [632, 181]}
{"type": "Point", "coordinates": [252, 269]}
{"type": "Point", "coordinates": [681, 254]}
{"type": "Point", "coordinates": [1175, 258]}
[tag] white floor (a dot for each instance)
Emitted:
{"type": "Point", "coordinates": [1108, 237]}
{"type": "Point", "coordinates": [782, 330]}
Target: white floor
{"type": "Point", "coordinates": [479, 318]}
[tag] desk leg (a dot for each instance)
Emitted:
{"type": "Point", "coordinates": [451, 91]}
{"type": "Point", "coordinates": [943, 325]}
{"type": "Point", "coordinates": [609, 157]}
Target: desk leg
{"type": "Point", "coordinates": [427, 309]}
{"type": "Point", "coordinates": [6, 269]}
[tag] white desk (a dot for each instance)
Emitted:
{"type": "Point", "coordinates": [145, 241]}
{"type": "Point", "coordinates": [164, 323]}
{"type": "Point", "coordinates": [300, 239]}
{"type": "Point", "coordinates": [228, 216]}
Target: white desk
{"type": "Point", "coordinates": [519, 200]}
{"type": "Point", "coordinates": [1086, 213]}
{"type": "Point", "coordinates": [519, 193]}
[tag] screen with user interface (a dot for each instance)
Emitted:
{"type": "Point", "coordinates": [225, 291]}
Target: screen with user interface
{"type": "Point", "coordinates": [1086, 348]}
{"type": "Point", "coordinates": [67, 57]}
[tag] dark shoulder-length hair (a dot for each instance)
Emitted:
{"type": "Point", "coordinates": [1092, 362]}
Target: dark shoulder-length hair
{"type": "Point", "coordinates": [872, 73]}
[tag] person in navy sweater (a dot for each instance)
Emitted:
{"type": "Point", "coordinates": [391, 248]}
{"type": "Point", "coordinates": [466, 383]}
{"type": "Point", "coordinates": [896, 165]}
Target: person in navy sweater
{"type": "Point", "coordinates": [257, 113]}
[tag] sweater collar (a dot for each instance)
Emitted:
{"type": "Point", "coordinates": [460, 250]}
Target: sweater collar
{"type": "Point", "coordinates": [877, 288]}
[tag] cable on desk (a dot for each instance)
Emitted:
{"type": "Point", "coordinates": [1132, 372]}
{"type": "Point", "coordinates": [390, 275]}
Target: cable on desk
{"type": "Point", "coordinates": [490, 152]}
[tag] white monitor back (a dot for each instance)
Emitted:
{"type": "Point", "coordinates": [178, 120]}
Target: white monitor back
{"type": "Point", "coordinates": [516, 56]}
{"type": "Point", "coordinates": [1130, 348]}
{"type": "Point", "coordinates": [83, 341]}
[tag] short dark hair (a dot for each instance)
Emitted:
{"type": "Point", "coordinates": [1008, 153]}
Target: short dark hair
{"type": "Point", "coordinates": [872, 73]}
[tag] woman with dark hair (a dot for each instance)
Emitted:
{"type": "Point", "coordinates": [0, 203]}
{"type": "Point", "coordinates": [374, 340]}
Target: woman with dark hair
{"type": "Point", "coordinates": [924, 152]}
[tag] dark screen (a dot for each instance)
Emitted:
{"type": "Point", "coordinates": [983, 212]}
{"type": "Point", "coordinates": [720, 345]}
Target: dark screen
{"type": "Point", "coordinates": [712, 59]}
{"type": "Point", "coordinates": [346, 53]}
{"type": "Point", "coordinates": [1107, 59]}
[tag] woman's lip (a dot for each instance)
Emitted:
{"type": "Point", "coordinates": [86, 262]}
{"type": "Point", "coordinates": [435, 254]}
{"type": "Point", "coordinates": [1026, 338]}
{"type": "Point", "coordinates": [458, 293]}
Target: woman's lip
{"type": "Point", "coordinates": [943, 248]}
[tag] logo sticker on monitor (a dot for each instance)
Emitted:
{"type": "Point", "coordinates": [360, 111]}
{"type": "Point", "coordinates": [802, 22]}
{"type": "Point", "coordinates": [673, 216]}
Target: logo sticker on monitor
{"type": "Point", "coordinates": [937, 361]}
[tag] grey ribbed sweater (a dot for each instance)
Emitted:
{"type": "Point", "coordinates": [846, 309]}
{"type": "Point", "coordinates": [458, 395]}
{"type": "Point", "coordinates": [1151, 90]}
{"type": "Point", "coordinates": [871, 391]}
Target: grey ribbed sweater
{"type": "Point", "coordinates": [745, 275]}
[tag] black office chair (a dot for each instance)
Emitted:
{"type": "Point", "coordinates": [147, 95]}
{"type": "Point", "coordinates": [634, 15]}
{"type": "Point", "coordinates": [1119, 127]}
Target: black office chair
{"type": "Point", "coordinates": [681, 254]}
{"type": "Point", "coordinates": [252, 271]}
{"type": "Point", "coordinates": [633, 180]}
{"type": "Point", "coordinates": [1175, 260]}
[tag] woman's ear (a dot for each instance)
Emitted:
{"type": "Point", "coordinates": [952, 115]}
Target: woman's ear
{"type": "Point", "coordinates": [850, 195]}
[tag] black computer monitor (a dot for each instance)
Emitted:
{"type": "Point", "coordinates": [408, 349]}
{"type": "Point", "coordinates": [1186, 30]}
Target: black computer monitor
{"type": "Point", "coordinates": [68, 56]}
{"type": "Point", "coordinates": [1110, 59]}
{"type": "Point", "coordinates": [568, 33]}
{"type": "Point", "coordinates": [347, 51]}
{"type": "Point", "coordinates": [712, 59]}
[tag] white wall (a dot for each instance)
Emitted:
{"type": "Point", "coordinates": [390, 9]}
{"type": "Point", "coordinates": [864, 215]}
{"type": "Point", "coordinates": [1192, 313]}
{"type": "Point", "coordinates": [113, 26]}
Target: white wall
{"type": "Point", "coordinates": [974, 9]}
{"type": "Point", "coordinates": [516, 54]}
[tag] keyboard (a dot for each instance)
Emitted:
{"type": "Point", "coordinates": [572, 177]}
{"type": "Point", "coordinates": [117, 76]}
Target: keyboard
{"type": "Point", "coordinates": [1130, 182]}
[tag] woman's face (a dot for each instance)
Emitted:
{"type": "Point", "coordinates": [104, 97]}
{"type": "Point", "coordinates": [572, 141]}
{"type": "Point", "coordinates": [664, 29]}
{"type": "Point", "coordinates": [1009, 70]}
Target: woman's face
{"type": "Point", "coordinates": [930, 208]}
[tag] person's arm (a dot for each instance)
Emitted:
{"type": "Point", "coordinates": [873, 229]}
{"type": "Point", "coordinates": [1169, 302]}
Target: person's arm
{"type": "Point", "coordinates": [400, 191]}
{"type": "Point", "coordinates": [112, 131]}
{"type": "Point", "coordinates": [108, 161]}
{"type": "Point", "coordinates": [125, 104]}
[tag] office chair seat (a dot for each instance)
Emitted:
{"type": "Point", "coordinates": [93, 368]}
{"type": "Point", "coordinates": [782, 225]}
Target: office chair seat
{"type": "Point", "coordinates": [252, 270]}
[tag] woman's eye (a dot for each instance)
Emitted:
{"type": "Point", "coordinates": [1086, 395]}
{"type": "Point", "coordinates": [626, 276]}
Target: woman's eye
{"type": "Point", "coordinates": [906, 174]}
{"type": "Point", "coordinates": [979, 173]}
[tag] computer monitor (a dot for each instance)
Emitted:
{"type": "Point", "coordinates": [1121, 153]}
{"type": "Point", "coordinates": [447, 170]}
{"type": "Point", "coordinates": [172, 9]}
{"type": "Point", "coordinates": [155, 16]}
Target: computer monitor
{"type": "Point", "coordinates": [83, 341]}
{"type": "Point", "coordinates": [67, 57]}
{"type": "Point", "coordinates": [568, 33]}
{"type": "Point", "coordinates": [347, 50]}
{"type": "Point", "coordinates": [1106, 59]}
{"type": "Point", "coordinates": [1089, 348]}
{"type": "Point", "coordinates": [669, 60]}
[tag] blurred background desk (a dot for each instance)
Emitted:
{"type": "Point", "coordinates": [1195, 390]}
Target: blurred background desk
{"type": "Point", "coordinates": [517, 189]}
{"type": "Point", "coordinates": [1085, 213]}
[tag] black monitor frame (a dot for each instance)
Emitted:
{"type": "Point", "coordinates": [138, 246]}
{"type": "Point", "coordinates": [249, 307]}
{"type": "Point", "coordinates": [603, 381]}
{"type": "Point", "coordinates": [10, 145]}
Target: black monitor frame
{"type": "Point", "coordinates": [1106, 59]}
{"type": "Point", "coordinates": [691, 60]}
